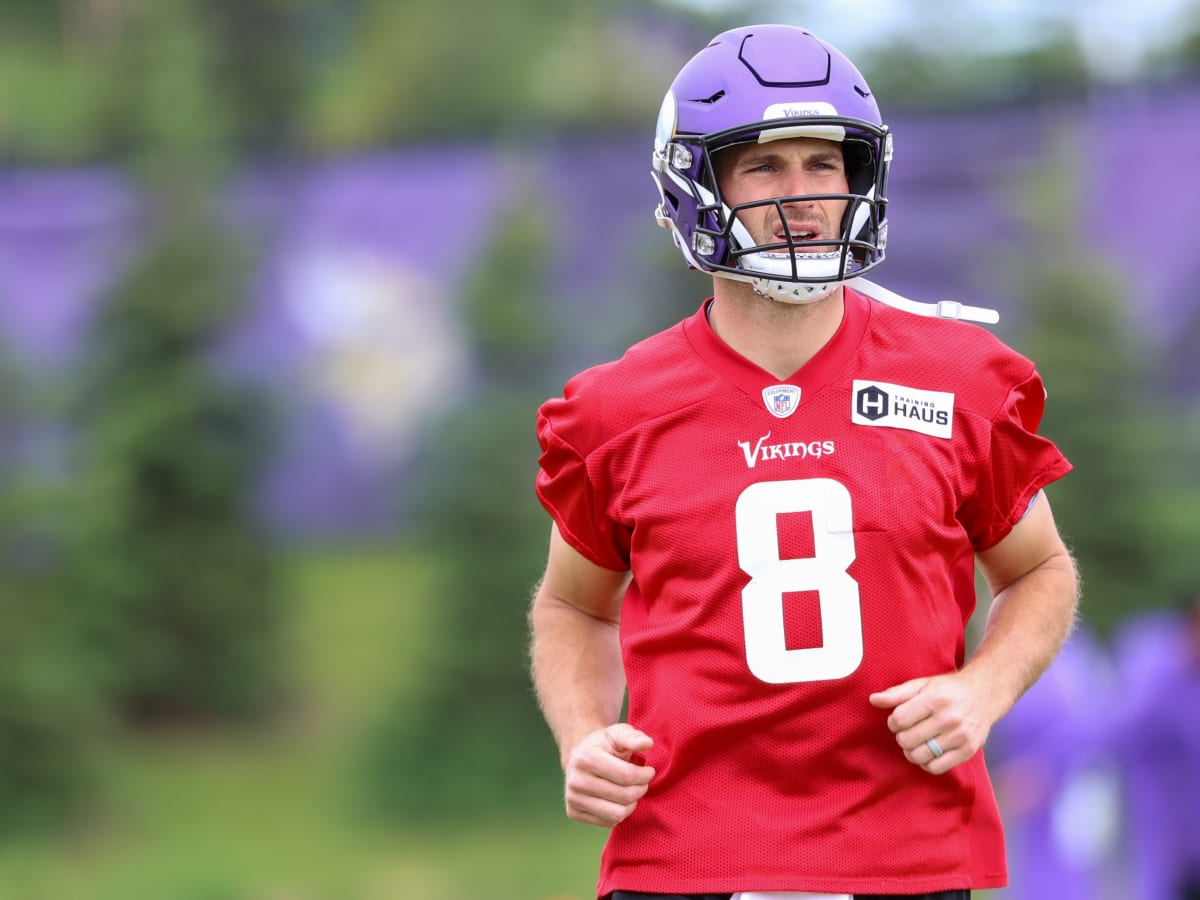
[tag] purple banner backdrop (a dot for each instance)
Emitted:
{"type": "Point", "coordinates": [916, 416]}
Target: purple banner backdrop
{"type": "Point", "coordinates": [352, 318]}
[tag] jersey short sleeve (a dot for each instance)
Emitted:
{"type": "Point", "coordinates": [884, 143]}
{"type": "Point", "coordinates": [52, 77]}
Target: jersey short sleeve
{"type": "Point", "coordinates": [567, 491]}
{"type": "Point", "coordinates": [1020, 462]}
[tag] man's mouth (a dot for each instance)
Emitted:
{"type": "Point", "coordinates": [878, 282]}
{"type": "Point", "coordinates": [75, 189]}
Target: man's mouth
{"type": "Point", "coordinates": [798, 233]}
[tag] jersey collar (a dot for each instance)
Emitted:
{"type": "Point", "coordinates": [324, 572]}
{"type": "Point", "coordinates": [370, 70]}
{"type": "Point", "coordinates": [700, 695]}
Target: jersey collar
{"type": "Point", "coordinates": [810, 378]}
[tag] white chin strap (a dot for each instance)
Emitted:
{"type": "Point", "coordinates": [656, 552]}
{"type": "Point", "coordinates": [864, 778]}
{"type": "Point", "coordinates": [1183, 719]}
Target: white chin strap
{"type": "Point", "coordinates": [760, 267]}
{"type": "Point", "coordinates": [795, 291]}
{"type": "Point", "coordinates": [790, 292]}
{"type": "Point", "coordinates": [784, 291]}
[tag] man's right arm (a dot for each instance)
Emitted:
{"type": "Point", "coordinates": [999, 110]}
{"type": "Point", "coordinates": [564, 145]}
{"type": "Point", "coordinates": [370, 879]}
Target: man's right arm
{"type": "Point", "coordinates": [580, 684]}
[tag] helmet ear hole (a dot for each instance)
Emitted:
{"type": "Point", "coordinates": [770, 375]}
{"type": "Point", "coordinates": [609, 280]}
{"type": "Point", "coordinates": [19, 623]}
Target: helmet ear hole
{"type": "Point", "coordinates": [859, 158]}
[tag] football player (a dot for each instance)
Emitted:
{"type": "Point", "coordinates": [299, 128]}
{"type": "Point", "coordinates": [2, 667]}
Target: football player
{"type": "Point", "coordinates": [767, 519]}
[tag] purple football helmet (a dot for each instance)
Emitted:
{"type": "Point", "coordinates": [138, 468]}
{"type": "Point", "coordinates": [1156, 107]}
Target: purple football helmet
{"type": "Point", "coordinates": [762, 83]}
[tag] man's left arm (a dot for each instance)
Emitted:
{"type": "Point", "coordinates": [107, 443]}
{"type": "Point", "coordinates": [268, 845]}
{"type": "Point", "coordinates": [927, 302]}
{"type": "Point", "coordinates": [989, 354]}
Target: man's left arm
{"type": "Point", "coordinates": [1034, 588]}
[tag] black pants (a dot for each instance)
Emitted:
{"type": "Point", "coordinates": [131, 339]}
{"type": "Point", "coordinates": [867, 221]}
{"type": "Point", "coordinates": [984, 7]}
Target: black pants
{"type": "Point", "coordinates": [940, 895]}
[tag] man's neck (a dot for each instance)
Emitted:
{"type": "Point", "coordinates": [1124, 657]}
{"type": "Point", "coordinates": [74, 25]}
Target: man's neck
{"type": "Point", "coordinates": [777, 337]}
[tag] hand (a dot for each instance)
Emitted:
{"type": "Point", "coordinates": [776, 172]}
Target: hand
{"type": "Point", "coordinates": [602, 785]}
{"type": "Point", "coordinates": [948, 708]}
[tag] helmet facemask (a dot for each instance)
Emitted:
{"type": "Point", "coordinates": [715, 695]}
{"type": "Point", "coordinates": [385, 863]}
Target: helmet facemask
{"type": "Point", "coordinates": [793, 270]}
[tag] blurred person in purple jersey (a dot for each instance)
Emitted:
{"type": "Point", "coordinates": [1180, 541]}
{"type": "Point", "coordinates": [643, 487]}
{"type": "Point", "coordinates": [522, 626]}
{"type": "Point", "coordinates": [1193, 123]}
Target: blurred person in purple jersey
{"type": "Point", "coordinates": [1156, 741]}
{"type": "Point", "coordinates": [1058, 788]}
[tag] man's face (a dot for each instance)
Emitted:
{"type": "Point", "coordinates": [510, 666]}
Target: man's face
{"type": "Point", "coordinates": [785, 168]}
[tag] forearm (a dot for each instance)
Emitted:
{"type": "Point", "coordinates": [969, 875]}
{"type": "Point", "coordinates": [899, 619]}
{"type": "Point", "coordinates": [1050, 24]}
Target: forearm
{"type": "Point", "coordinates": [1026, 626]}
{"type": "Point", "coordinates": [577, 671]}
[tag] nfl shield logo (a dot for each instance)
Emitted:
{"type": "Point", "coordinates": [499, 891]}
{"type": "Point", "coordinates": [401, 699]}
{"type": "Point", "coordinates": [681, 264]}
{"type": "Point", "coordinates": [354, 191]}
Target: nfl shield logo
{"type": "Point", "coordinates": [781, 400]}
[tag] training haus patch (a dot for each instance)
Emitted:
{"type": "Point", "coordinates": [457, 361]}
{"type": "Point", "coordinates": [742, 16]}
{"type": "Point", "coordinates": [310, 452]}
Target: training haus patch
{"type": "Point", "coordinates": [896, 406]}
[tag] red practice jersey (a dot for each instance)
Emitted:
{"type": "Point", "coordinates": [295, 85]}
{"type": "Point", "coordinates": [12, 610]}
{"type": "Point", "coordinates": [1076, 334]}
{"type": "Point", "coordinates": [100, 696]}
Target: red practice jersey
{"type": "Point", "coordinates": [797, 546]}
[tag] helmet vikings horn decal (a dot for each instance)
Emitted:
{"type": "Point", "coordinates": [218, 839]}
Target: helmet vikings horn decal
{"type": "Point", "coordinates": [763, 83]}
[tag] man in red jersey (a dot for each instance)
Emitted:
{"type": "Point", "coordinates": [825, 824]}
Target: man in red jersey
{"type": "Point", "coordinates": [767, 520]}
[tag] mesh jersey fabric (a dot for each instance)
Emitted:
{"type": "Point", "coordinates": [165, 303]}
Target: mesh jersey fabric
{"type": "Point", "coordinates": [835, 556]}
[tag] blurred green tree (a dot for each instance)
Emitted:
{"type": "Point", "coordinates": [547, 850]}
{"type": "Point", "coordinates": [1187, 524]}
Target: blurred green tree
{"type": "Point", "coordinates": [1128, 509]}
{"type": "Point", "coordinates": [930, 74]}
{"type": "Point", "coordinates": [471, 736]}
{"type": "Point", "coordinates": [329, 75]}
{"type": "Point", "coordinates": [50, 711]}
{"type": "Point", "coordinates": [166, 559]}
{"type": "Point", "coordinates": [492, 69]}
{"type": "Point", "coordinates": [76, 75]}
{"type": "Point", "coordinates": [323, 76]}
{"type": "Point", "coordinates": [176, 577]}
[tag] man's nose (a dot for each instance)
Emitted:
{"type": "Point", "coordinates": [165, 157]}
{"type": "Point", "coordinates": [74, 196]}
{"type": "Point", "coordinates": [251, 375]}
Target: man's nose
{"type": "Point", "coordinates": [796, 182]}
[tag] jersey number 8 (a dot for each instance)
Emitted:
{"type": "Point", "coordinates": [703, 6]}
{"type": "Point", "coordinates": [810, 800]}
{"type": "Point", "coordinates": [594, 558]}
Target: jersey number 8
{"type": "Point", "coordinates": [825, 572]}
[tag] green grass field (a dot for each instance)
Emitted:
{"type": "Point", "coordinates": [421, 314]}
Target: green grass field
{"type": "Point", "coordinates": [193, 815]}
